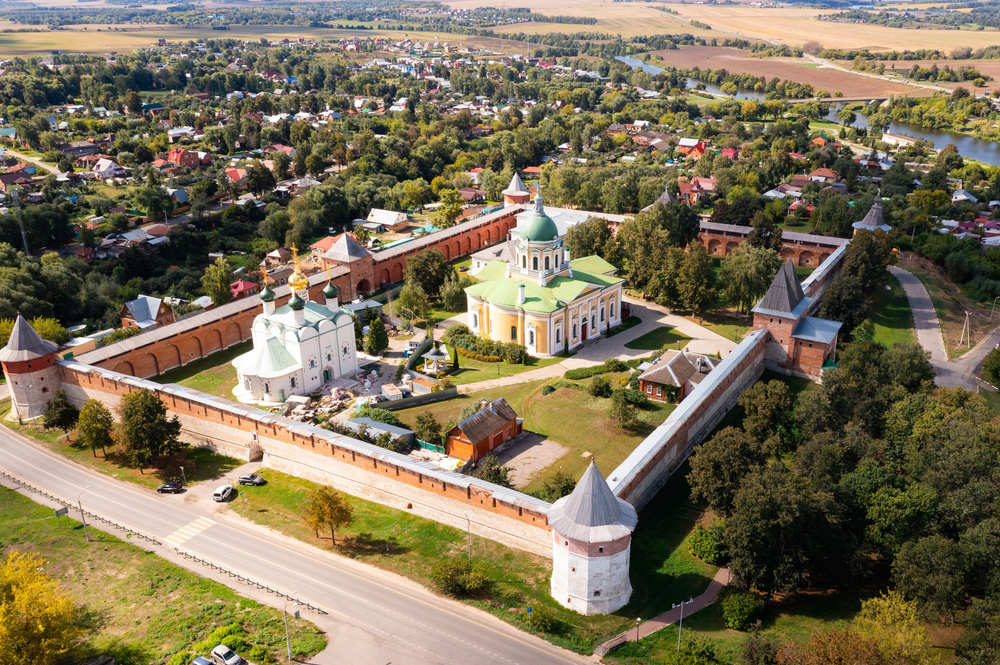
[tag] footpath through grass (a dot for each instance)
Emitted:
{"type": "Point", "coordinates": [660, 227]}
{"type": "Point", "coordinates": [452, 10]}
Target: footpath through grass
{"type": "Point", "coordinates": [199, 464]}
{"type": "Point", "coordinates": [400, 542]}
{"type": "Point", "coordinates": [135, 606]}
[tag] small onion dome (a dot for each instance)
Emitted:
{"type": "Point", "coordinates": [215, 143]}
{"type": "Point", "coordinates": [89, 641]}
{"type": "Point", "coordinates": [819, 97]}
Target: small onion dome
{"type": "Point", "coordinates": [330, 291]}
{"type": "Point", "coordinates": [296, 303]}
{"type": "Point", "coordinates": [267, 295]}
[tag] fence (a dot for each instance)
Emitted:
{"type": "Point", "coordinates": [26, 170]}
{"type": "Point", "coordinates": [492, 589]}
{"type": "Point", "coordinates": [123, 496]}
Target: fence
{"type": "Point", "coordinates": [417, 400]}
{"type": "Point", "coordinates": [67, 504]}
{"type": "Point", "coordinates": [248, 581]}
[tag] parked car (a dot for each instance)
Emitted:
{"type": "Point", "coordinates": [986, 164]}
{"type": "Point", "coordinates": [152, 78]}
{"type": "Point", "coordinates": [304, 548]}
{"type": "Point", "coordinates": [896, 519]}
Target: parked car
{"type": "Point", "coordinates": [223, 655]}
{"type": "Point", "coordinates": [224, 493]}
{"type": "Point", "coordinates": [201, 661]}
{"type": "Point", "coordinates": [173, 487]}
{"type": "Point", "coordinates": [251, 479]}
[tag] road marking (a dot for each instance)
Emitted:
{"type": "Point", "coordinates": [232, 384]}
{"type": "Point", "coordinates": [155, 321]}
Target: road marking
{"type": "Point", "coordinates": [188, 531]}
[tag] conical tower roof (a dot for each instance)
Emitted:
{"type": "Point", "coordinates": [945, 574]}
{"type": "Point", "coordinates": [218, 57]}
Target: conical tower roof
{"type": "Point", "coordinates": [784, 295]}
{"type": "Point", "coordinates": [875, 219]}
{"type": "Point", "coordinates": [665, 199]}
{"type": "Point", "coordinates": [516, 186]}
{"type": "Point", "coordinates": [25, 343]}
{"type": "Point", "coordinates": [592, 513]}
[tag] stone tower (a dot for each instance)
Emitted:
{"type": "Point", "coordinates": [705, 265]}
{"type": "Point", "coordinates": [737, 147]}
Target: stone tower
{"type": "Point", "coordinates": [591, 546]}
{"type": "Point", "coordinates": [30, 365]}
{"type": "Point", "coordinates": [516, 192]}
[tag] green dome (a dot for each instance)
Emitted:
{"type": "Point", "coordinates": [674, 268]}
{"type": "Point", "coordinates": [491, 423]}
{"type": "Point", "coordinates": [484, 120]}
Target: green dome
{"type": "Point", "coordinates": [330, 291]}
{"type": "Point", "coordinates": [539, 227]}
{"type": "Point", "coordinates": [267, 295]}
{"type": "Point", "coordinates": [296, 302]}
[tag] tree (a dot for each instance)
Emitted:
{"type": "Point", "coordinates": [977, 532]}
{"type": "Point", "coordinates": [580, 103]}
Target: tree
{"type": "Point", "coordinates": [980, 640]}
{"type": "Point", "coordinates": [133, 102]}
{"type": "Point", "coordinates": [765, 232]}
{"type": "Point", "coordinates": [931, 572]}
{"type": "Point", "coordinates": [299, 167]}
{"type": "Point", "coordinates": [428, 428]}
{"type": "Point", "coordinates": [315, 165]}
{"type": "Point", "coordinates": [216, 282]}
{"type": "Point", "coordinates": [832, 647]}
{"type": "Point", "coordinates": [38, 620]}
{"type": "Point", "coordinates": [488, 468]}
{"type": "Point", "coordinates": [60, 412]}
{"type": "Point", "coordinates": [427, 269]}
{"type": "Point", "coordinates": [259, 179]}
{"type": "Point", "coordinates": [768, 414]}
{"type": "Point", "coordinates": [588, 238]}
{"type": "Point", "coordinates": [327, 508]}
{"type": "Point", "coordinates": [452, 293]}
{"type": "Point", "coordinates": [694, 282]}
{"type": "Point", "coordinates": [621, 411]}
{"type": "Point", "coordinates": [280, 162]}
{"type": "Point", "coordinates": [377, 339]}
{"type": "Point", "coordinates": [412, 303]}
{"type": "Point", "coordinates": [892, 623]}
{"type": "Point", "coordinates": [719, 465]}
{"type": "Point", "coordinates": [451, 207]}
{"type": "Point", "coordinates": [94, 426]}
{"type": "Point", "coordinates": [47, 328]}
{"type": "Point", "coordinates": [849, 296]}
{"type": "Point", "coordinates": [144, 431]}
{"type": "Point", "coordinates": [746, 274]}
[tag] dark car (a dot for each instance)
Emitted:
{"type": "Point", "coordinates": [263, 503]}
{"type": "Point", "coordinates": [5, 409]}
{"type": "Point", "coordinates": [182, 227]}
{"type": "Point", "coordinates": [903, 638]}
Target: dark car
{"type": "Point", "coordinates": [251, 479]}
{"type": "Point", "coordinates": [173, 487]}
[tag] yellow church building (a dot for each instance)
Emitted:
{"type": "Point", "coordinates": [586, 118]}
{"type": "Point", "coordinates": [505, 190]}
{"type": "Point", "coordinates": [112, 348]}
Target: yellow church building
{"type": "Point", "coordinates": [543, 299]}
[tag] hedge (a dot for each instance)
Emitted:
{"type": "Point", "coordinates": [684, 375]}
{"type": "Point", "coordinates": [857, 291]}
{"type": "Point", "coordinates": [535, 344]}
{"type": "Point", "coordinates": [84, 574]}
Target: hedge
{"type": "Point", "coordinates": [465, 353]}
{"type": "Point", "coordinates": [511, 352]}
{"type": "Point", "coordinates": [609, 365]}
{"type": "Point", "coordinates": [740, 609]}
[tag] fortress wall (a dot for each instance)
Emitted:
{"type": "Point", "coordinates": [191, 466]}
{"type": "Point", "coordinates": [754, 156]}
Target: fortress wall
{"type": "Point", "coordinates": [355, 467]}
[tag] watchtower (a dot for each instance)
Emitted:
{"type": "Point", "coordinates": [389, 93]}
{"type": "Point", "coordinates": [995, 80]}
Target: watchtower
{"type": "Point", "coordinates": [30, 365]}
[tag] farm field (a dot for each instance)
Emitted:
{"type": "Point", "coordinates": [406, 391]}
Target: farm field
{"type": "Point", "coordinates": [792, 69]}
{"type": "Point", "coordinates": [987, 67]}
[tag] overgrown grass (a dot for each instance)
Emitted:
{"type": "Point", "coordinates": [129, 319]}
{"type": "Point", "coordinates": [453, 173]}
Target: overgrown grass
{"type": "Point", "coordinates": [135, 606]}
{"type": "Point", "coordinates": [199, 464]}
{"type": "Point", "coordinates": [659, 338]}
{"type": "Point", "coordinates": [892, 315]}
{"type": "Point", "coordinates": [213, 374]}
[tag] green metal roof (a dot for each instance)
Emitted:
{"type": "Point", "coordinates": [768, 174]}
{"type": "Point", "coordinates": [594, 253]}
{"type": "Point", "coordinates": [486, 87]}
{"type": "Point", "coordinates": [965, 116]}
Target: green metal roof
{"type": "Point", "coordinates": [539, 227]}
{"type": "Point", "coordinates": [267, 361]}
{"type": "Point", "coordinates": [592, 264]}
{"type": "Point", "coordinates": [495, 269]}
{"type": "Point", "coordinates": [559, 291]}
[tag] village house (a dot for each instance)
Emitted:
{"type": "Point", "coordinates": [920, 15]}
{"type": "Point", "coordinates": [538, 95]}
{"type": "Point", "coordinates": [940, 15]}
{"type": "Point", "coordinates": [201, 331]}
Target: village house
{"type": "Point", "coordinates": [106, 169]}
{"type": "Point", "coordinates": [383, 221]}
{"type": "Point", "coordinates": [483, 432]}
{"type": "Point", "coordinates": [242, 289]}
{"type": "Point", "coordinates": [146, 313]}
{"type": "Point", "coordinates": [693, 148]}
{"type": "Point", "coordinates": [672, 376]}
{"type": "Point", "coordinates": [187, 158]}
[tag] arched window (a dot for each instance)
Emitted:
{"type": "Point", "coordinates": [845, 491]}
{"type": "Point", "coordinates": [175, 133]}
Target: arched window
{"type": "Point", "coordinates": [312, 364]}
{"type": "Point", "coordinates": [246, 384]}
{"type": "Point", "coordinates": [531, 338]}
{"type": "Point", "coordinates": [534, 263]}
{"type": "Point", "coordinates": [546, 262]}
{"type": "Point", "coordinates": [574, 331]}
{"type": "Point", "coordinates": [475, 320]}
{"type": "Point", "coordinates": [513, 333]}
{"type": "Point", "coordinates": [593, 321]}
{"type": "Point", "coordinates": [611, 313]}
{"type": "Point", "coordinates": [524, 261]}
{"type": "Point", "coordinates": [267, 388]}
{"type": "Point", "coordinates": [602, 314]}
{"type": "Point", "coordinates": [558, 335]}
{"type": "Point", "coordinates": [293, 382]}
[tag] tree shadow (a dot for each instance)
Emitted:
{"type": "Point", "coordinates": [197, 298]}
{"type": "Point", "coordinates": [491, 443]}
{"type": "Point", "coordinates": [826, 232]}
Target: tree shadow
{"type": "Point", "coordinates": [366, 543]}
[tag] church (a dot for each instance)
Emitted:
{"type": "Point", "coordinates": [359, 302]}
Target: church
{"type": "Point", "coordinates": [297, 347]}
{"type": "Point", "coordinates": [542, 298]}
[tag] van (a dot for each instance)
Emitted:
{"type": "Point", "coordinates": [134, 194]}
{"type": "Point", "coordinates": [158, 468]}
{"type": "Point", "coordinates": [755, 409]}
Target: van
{"type": "Point", "coordinates": [223, 493]}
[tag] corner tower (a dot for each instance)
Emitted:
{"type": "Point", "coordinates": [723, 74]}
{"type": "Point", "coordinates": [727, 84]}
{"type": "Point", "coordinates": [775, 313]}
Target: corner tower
{"type": "Point", "coordinates": [30, 365]}
{"type": "Point", "coordinates": [591, 547]}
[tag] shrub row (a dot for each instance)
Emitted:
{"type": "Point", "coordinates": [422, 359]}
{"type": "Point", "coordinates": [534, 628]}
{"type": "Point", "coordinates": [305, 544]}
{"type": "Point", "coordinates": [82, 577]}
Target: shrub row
{"type": "Point", "coordinates": [609, 365]}
{"type": "Point", "coordinates": [465, 353]}
{"type": "Point", "coordinates": [511, 352]}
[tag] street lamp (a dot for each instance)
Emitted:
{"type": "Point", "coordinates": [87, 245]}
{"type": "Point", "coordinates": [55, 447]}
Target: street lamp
{"type": "Point", "coordinates": [637, 620]}
{"type": "Point", "coordinates": [83, 517]}
{"type": "Point", "coordinates": [183, 475]}
{"type": "Point", "coordinates": [994, 308]}
{"type": "Point", "coordinates": [468, 530]}
{"type": "Point", "coordinates": [284, 613]}
{"type": "Point", "coordinates": [680, 625]}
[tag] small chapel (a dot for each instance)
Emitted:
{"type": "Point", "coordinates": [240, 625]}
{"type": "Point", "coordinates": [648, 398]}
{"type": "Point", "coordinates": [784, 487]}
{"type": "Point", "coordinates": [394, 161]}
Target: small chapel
{"type": "Point", "coordinates": [297, 347]}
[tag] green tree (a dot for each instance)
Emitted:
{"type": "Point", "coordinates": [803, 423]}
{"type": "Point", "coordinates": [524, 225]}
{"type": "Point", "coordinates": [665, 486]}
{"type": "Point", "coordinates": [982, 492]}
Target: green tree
{"type": "Point", "coordinates": [259, 179]}
{"type": "Point", "coordinates": [94, 426]}
{"type": "Point", "coordinates": [145, 432]}
{"type": "Point", "coordinates": [892, 623]}
{"type": "Point", "coordinates": [133, 102]}
{"type": "Point", "coordinates": [931, 571]}
{"type": "Point", "coordinates": [38, 621]}
{"type": "Point", "coordinates": [979, 643]}
{"type": "Point", "coordinates": [327, 508]}
{"type": "Point", "coordinates": [621, 411]}
{"type": "Point", "coordinates": [746, 274]}
{"type": "Point", "coordinates": [694, 282]}
{"type": "Point", "coordinates": [428, 428]}
{"type": "Point", "coordinates": [412, 303]}
{"type": "Point", "coordinates": [427, 269]}
{"type": "Point", "coordinates": [589, 238]}
{"type": "Point", "coordinates": [216, 280]}
{"type": "Point", "coordinates": [46, 327]}
{"type": "Point", "coordinates": [452, 293]}
{"type": "Point", "coordinates": [60, 413]}
{"type": "Point", "coordinates": [490, 469]}
{"type": "Point", "coordinates": [280, 162]}
{"type": "Point", "coordinates": [451, 207]}
{"type": "Point", "coordinates": [769, 418]}
{"type": "Point", "coordinates": [315, 165]}
{"type": "Point", "coordinates": [719, 465]}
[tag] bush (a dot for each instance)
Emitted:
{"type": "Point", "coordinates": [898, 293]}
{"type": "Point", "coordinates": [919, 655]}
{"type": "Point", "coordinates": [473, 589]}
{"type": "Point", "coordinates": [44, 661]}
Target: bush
{"type": "Point", "coordinates": [511, 352]}
{"type": "Point", "coordinates": [258, 653]}
{"type": "Point", "coordinates": [379, 415]}
{"type": "Point", "coordinates": [609, 365]}
{"type": "Point", "coordinates": [635, 396]}
{"type": "Point", "coordinates": [992, 364]}
{"type": "Point", "coordinates": [548, 389]}
{"type": "Point", "coordinates": [465, 353]}
{"type": "Point", "coordinates": [180, 658]}
{"type": "Point", "coordinates": [740, 609]}
{"type": "Point", "coordinates": [540, 619]}
{"type": "Point", "coordinates": [707, 544]}
{"type": "Point", "coordinates": [600, 387]}
{"type": "Point", "coordinates": [458, 577]}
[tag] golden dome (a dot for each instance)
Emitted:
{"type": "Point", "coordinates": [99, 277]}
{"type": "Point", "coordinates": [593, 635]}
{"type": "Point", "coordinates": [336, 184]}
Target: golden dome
{"type": "Point", "coordinates": [297, 281]}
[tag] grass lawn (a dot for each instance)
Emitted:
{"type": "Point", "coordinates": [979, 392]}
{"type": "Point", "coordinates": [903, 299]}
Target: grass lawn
{"type": "Point", "coordinates": [214, 374]}
{"type": "Point", "coordinates": [726, 323]}
{"type": "Point", "coordinates": [416, 545]}
{"type": "Point", "coordinates": [199, 463]}
{"type": "Point", "coordinates": [135, 606]}
{"type": "Point", "coordinates": [659, 338]}
{"type": "Point", "coordinates": [470, 371]}
{"type": "Point", "coordinates": [892, 315]}
{"type": "Point", "coordinates": [558, 416]}
{"type": "Point", "coordinates": [630, 322]}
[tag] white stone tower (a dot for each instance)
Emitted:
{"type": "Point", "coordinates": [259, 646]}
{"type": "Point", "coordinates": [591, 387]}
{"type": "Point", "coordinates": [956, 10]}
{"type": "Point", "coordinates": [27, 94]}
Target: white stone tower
{"type": "Point", "coordinates": [591, 547]}
{"type": "Point", "coordinates": [30, 365]}
{"type": "Point", "coordinates": [267, 297]}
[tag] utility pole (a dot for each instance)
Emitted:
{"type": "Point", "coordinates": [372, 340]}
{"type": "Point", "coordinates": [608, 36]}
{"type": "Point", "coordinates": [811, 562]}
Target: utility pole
{"type": "Point", "coordinates": [966, 331]}
{"type": "Point", "coordinates": [994, 308]}
{"type": "Point", "coordinates": [83, 517]}
{"type": "Point", "coordinates": [468, 530]}
{"type": "Point", "coordinates": [284, 613]}
{"type": "Point", "coordinates": [680, 625]}
{"type": "Point", "coordinates": [20, 219]}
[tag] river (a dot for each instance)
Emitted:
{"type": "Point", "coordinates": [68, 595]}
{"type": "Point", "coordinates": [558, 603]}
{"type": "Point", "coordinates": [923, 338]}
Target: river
{"type": "Point", "coordinates": [987, 152]}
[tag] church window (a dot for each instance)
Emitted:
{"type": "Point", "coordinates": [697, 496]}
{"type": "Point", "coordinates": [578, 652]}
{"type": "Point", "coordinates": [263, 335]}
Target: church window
{"type": "Point", "coordinates": [513, 333]}
{"type": "Point", "coordinates": [312, 364]}
{"type": "Point", "coordinates": [329, 357]}
{"type": "Point", "coordinates": [602, 314]}
{"type": "Point", "coordinates": [293, 382]}
{"type": "Point", "coordinates": [524, 261]}
{"type": "Point", "coordinates": [475, 320]}
{"type": "Point", "coordinates": [574, 331]}
{"type": "Point", "coordinates": [267, 388]}
{"type": "Point", "coordinates": [531, 337]}
{"type": "Point", "coordinates": [597, 592]}
{"type": "Point", "coordinates": [246, 384]}
{"type": "Point", "coordinates": [534, 263]}
{"type": "Point", "coordinates": [558, 335]}
{"type": "Point", "coordinates": [546, 262]}
{"type": "Point", "coordinates": [611, 310]}
{"type": "Point", "coordinates": [345, 351]}
{"type": "Point", "coordinates": [601, 550]}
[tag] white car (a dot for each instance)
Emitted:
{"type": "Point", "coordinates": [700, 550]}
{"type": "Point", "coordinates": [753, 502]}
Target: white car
{"type": "Point", "coordinates": [223, 655]}
{"type": "Point", "coordinates": [223, 493]}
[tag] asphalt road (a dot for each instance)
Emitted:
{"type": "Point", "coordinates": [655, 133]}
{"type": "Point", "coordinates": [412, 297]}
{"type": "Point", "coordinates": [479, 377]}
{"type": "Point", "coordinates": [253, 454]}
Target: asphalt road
{"type": "Point", "coordinates": [374, 617]}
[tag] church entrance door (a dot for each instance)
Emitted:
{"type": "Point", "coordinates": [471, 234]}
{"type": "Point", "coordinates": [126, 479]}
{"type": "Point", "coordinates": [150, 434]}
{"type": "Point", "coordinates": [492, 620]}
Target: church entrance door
{"type": "Point", "coordinates": [327, 375]}
{"type": "Point", "coordinates": [583, 330]}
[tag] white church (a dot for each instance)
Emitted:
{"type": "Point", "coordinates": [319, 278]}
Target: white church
{"type": "Point", "coordinates": [297, 347]}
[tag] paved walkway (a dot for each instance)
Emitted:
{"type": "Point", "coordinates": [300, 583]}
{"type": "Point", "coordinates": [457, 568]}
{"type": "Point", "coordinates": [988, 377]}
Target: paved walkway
{"type": "Point", "coordinates": [671, 616]}
{"type": "Point", "coordinates": [950, 373]}
{"type": "Point", "coordinates": [653, 316]}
